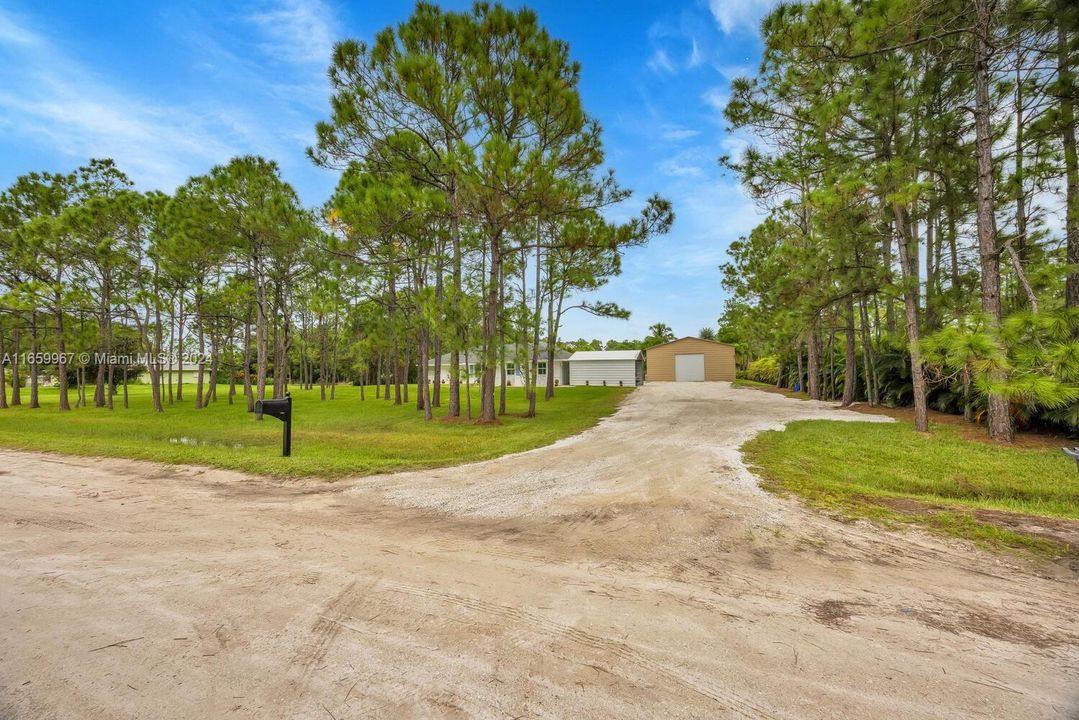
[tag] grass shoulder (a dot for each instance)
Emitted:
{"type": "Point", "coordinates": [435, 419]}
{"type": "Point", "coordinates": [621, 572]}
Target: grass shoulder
{"type": "Point", "coordinates": [766, 387]}
{"type": "Point", "coordinates": [333, 438]}
{"type": "Point", "coordinates": [1014, 497]}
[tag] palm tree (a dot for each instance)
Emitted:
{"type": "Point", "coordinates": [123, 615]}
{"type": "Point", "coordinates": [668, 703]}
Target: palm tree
{"type": "Point", "coordinates": [706, 333]}
{"type": "Point", "coordinates": [659, 334]}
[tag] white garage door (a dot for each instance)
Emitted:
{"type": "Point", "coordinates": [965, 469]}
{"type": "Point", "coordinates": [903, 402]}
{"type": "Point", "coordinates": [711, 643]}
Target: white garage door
{"type": "Point", "coordinates": [689, 368]}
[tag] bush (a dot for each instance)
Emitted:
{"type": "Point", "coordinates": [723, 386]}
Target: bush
{"type": "Point", "coordinates": [764, 370]}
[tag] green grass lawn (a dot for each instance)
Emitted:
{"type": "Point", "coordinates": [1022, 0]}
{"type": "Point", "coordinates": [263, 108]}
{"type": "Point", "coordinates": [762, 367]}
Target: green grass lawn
{"type": "Point", "coordinates": [892, 473]}
{"type": "Point", "coordinates": [344, 436]}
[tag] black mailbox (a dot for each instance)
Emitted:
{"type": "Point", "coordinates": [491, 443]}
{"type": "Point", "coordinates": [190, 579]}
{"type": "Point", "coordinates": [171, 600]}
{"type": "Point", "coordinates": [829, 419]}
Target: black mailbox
{"type": "Point", "coordinates": [1073, 453]}
{"type": "Point", "coordinates": [282, 410]}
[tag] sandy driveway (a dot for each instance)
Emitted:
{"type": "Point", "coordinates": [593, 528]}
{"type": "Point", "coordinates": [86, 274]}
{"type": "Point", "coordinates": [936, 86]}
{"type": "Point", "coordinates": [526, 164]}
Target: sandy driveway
{"type": "Point", "coordinates": [633, 571]}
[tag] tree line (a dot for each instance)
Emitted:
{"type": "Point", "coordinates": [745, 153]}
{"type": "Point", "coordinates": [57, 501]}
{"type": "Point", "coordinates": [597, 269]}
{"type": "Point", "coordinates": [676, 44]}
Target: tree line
{"type": "Point", "coordinates": [917, 163]}
{"type": "Point", "coordinates": [469, 212]}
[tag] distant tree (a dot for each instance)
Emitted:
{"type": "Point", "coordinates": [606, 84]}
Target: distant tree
{"type": "Point", "coordinates": [658, 334]}
{"type": "Point", "coordinates": [581, 344]}
{"type": "Point", "coordinates": [706, 333]}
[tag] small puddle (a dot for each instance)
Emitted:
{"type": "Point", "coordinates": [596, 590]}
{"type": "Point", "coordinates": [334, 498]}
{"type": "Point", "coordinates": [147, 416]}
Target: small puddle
{"type": "Point", "coordinates": [184, 440]}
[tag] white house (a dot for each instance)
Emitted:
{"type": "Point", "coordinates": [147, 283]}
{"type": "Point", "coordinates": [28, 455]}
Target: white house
{"type": "Point", "coordinates": [190, 370]}
{"type": "Point", "coordinates": [610, 367]}
{"type": "Point", "coordinates": [470, 363]}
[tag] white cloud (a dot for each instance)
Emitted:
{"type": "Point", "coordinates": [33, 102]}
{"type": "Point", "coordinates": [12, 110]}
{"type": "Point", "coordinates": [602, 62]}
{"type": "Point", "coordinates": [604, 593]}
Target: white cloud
{"type": "Point", "coordinates": [47, 96]}
{"type": "Point", "coordinates": [734, 146]}
{"type": "Point", "coordinates": [676, 168]}
{"type": "Point", "coordinates": [740, 15]}
{"type": "Point", "coordinates": [297, 31]}
{"type": "Point", "coordinates": [13, 34]}
{"type": "Point", "coordinates": [676, 133]}
{"type": "Point", "coordinates": [716, 98]}
{"type": "Point", "coordinates": [732, 72]}
{"type": "Point", "coordinates": [660, 62]}
{"type": "Point", "coordinates": [696, 57]}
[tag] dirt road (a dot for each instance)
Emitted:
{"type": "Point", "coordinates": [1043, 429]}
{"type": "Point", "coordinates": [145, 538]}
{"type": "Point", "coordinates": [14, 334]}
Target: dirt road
{"type": "Point", "coordinates": [633, 571]}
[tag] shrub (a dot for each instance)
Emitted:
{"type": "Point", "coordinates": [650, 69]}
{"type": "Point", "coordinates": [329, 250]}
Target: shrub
{"type": "Point", "coordinates": [764, 370]}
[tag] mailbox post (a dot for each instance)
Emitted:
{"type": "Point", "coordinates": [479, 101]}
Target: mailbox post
{"type": "Point", "coordinates": [282, 410]}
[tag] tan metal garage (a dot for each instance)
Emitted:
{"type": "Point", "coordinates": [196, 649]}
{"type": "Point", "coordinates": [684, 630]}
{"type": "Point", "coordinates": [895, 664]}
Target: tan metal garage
{"type": "Point", "coordinates": [690, 359]}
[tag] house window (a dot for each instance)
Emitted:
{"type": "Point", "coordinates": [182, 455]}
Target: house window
{"type": "Point", "coordinates": [473, 370]}
{"type": "Point", "coordinates": [542, 368]}
{"type": "Point", "coordinates": [511, 369]}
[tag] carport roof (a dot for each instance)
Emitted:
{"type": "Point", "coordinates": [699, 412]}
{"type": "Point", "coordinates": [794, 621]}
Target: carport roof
{"type": "Point", "coordinates": [605, 355]}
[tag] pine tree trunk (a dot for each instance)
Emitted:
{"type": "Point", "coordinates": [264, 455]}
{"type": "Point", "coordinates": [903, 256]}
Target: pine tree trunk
{"type": "Point", "coordinates": [502, 349]}
{"type": "Point", "coordinates": [180, 352]}
{"type": "Point", "coordinates": [172, 350]}
{"type": "Point", "coordinates": [889, 306]}
{"type": "Point", "coordinates": [1000, 421]}
{"type": "Point", "coordinates": [436, 381]}
{"type": "Point", "coordinates": [333, 364]}
{"type": "Point", "coordinates": [436, 340]}
{"type": "Point", "coordinates": [231, 366]}
{"type": "Point", "coordinates": [490, 332]}
{"type": "Point", "coordinates": [850, 369]}
{"type": "Point", "coordinates": [35, 401]}
{"type": "Point", "coordinates": [110, 393]}
{"type": "Point", "coordinates": [3, 374]}
{"type": "Point", "coordinates": [872, 383]}
{"type": "Point", "coordinates": [537, 310]}
{"type": "Point", "coordinates": [261, 349]}
{"type": "Point", "coordinates": [61, 349]}
{"type": "Point", "coordinates": [831, 358]}
{"type": "Point", "coordinates": [813, 352]}
{"type": "Point", "coordinates": [200, 400]}
{"type": "Point", "coordinates": [154, 366]}
{"type": "Point", "coordinates": [215, 361]}
{"type": "Point", "coordinates": [16, 377]}
{"type": "Point", "coordinates": [421, 369]}
{"type": "Point", "coordinates": [423, 388]}
{"type": "Point", "coordinates": [322, 357]}
{"type": "Point", "coordinates": [406, 371]}
{"type": "Point", "coordinates": [468, 388]}
{"type": "Point", "coordinates": [102, 328]}
{"type": "Point", "coordinates": [249, 394]}
{"type": "Point", "coordinates": [801, 370]}
{"type": "Point", "coordinates": [1020, 187]}
{"type": "Point", "coordinates": [910, 304]}
{"type": "Point", "coordinates": [458, 329]}
{"type": "Point", "coordinates": [932, 321]}
{"type": "Point", "coordinates": [953, 252]}
{"type": "Point", "coordinates": [552, 340]}
{"type": "Point", "coordinates": [281, 329]}
{"type": "Point", "coordinates": [1066, 79]}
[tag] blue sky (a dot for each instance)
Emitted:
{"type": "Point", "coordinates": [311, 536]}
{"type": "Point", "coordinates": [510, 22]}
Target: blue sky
{"type": "Point", "coordinates": [170, 89]}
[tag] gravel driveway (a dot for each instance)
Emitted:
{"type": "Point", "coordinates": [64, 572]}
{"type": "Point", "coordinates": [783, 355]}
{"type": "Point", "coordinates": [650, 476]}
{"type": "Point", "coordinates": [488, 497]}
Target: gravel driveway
{"type": "Point", "coordinates": [635, 570]}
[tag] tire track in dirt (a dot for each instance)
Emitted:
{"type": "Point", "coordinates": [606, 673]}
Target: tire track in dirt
{"type": "Point", "coordinates": [323, 632]}
{"type": "Point", "coordinates": [728, 700]}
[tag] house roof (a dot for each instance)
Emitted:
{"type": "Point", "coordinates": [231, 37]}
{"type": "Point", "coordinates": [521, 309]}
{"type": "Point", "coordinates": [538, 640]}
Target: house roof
{"type": "Point", "coordinates": [475, 356]}
{"type": "Point", "coordinates": [690, 337]}
{"type": "Point", "coordinates": [605, 355]}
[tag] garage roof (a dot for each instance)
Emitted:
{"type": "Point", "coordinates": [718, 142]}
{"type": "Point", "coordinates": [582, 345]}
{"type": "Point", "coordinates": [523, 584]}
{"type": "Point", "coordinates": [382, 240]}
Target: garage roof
{"type": "Point", "coordinates": [689, 337]}
{"type": "Point", "coordinates": [605, 355]}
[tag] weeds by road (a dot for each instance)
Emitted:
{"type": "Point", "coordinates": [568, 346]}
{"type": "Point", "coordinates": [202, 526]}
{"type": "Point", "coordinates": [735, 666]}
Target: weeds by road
{"type": "Point", "coordinates": [1003, 496]}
